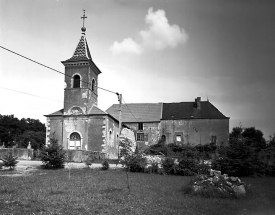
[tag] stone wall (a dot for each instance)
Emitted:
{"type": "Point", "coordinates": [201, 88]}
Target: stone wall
{"type": "Point", "coordinates": [21, 154]}
{"type": "Point", "coordinates": [79, 156]}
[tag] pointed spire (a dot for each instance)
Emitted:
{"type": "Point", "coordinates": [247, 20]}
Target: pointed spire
{"type": "Point", "coordinates": [82, 51]}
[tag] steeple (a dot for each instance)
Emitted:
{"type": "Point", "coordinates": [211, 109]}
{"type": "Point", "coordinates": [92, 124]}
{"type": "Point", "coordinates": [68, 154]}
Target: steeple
{"type": "Point", "coordinates": [81, 78]}
{"type": "Point", "coordinates": [82, 52]}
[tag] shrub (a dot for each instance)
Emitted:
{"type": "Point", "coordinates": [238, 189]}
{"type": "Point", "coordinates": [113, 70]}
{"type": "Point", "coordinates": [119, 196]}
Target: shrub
{"type": "Point", "coordinates": [105, 165]}
{"type": "Point", "coordinates": [169, 166]}
{"type": "Point", "coordinates": [53, 155]}
{"type": "Point", "coordinates": [136, 163]}
{"type": "Point", "coordinates": [9, 160]}
{"type": "Point", "coordinates": [157, 149]}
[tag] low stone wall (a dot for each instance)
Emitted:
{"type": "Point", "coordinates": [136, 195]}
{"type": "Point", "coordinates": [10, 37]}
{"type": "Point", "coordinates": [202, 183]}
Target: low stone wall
{"type": "Point", "coordinates": [21, 154]}
{"type": "Point", "coordinates": [79, 156]}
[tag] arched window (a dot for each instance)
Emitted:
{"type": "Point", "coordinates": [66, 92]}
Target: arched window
{"type": "Point", "coordinates": [76, 81]}
{"type": "Point", "coordinates": [93, 85]}
{"type": "Point", "coordinates": [75, 141]}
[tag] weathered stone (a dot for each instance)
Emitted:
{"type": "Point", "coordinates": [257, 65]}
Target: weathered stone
{"type": "Point", "coordinates": [239, 190]}
{"type": "Point", "coordinates": [197, 188]}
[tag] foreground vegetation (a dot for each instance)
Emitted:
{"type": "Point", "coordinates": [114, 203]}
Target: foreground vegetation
{"type": "Point", "coordinates": [90, 191]}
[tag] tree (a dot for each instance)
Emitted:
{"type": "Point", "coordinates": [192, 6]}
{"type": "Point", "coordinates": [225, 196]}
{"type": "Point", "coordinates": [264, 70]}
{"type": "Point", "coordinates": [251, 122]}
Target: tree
{"type": "Point", "coordinates": [53, 155]}
{"type": "Point", "coordinates": [20, 132]}
{"type": "Point", "coordinates": [254, 138]}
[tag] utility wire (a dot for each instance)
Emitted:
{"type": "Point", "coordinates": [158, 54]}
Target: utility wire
{"type": "Point", "coordinates": [129, 109]}
{"type": "Point", "coordinates": [52, 68]}
{"type": "Point", "coordinates": [60, 73]}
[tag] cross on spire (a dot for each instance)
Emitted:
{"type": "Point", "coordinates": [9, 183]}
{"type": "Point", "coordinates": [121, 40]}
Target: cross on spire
{"type": "Point", "coordinates": [83, 29]}
{"type": "Point", "coordinates": [83, 17]}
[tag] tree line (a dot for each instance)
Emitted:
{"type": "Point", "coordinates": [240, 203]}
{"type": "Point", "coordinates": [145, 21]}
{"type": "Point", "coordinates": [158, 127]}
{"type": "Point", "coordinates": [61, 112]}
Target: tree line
{"type": "Point", "coordinates": [19, 133]}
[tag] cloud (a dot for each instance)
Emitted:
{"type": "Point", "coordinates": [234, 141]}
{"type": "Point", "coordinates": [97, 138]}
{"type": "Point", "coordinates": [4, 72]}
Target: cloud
{"type": "Point", "coordinates": [128, 45]}
{"type": "Point", "coordinates": [158, 35]}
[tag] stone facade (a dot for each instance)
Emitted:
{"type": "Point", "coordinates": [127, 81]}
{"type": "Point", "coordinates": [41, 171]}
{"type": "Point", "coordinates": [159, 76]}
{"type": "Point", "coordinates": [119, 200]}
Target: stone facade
{"type": "Point", "coordinates": [148, 135]}
{"type": "Point", "coordinates": [196, 131]}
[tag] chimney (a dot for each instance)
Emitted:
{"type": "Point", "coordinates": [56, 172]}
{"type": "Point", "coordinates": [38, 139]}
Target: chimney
{"type": "Point", "coordinates": [198, 103]}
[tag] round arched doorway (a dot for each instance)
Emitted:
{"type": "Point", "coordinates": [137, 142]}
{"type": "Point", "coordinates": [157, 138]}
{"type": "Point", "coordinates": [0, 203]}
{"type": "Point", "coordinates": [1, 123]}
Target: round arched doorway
{"type": "Point", "coordinates": [75, 141]}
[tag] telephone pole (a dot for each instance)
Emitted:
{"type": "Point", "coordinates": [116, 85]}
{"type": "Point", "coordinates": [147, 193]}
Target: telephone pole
{"type": "Point", "coordinates": [119, 122]}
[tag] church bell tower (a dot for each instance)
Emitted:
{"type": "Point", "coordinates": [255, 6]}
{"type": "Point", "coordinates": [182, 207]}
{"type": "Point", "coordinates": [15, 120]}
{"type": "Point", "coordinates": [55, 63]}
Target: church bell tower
{"type": "Point", "coordinates": [81, 79]}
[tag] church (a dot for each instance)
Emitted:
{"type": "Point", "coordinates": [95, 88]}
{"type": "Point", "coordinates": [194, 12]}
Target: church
{"type": "Point", "coordinates": [81, 125]}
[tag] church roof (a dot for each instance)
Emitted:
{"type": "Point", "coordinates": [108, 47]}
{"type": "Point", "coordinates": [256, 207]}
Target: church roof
{"type": "Point", "coordinates": [188, 110]}
{"type": "Point", "coordinates": [81, 52]}
{"type": "Point", "coordinates": [97, 111]}
{"type": "Point", "coordinates": [155, 112]}
{"type": "Point", "coordinates": [56, 113]}
{"type": "Point", "coordinates": [137, 112]}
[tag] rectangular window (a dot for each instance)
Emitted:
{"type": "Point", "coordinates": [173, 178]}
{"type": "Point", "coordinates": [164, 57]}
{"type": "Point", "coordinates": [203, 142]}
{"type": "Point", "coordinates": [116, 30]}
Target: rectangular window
{"type": "Point", "coordinates": [140, 126]}
{"type": "Point", "coordinates": [140, 136]}
{"type": "Point", "coordinates": [178, 138]}
{"type": "Point", "coordinates": [214, 139]}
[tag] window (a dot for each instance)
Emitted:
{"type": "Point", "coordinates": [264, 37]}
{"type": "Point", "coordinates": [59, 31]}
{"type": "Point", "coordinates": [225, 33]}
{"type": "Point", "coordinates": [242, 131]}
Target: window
{"type": "Point", "coordinates": [76, 81]}
{"type": "Point", "coordinates": [214, 139]}
{"type": "Point", "coordinates": [140, 126]}
{"type": "Point", "coordinates": [75, 141]}
{"type": "Point", "coordinates": [93, 85]}
{"type": "Point", "coordinates": [178, 138]}
{"type": "Point", "coordinates": [140, 136]}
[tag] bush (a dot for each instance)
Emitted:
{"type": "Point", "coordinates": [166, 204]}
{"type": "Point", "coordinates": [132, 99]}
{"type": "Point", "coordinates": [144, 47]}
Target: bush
{"type": "Point", "coordinates": [136, 163]}
{"type": "Point", "coordinates": [105, 165]}
{"type": "Point", "coordinates": [169, 166]}
{"type": "Point", "coordinates": [53, 155]}
{"type": "Point", "coordinates": [238, 159]}
{"type": "Point", "coordinates": [9, 160]}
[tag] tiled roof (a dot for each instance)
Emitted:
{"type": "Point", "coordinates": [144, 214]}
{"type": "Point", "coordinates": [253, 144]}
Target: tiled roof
{"type": "Point", "coordinates": [188, 110]}
{"type": "Point", "coordinates": [57, 113]}
{"type": "Point", "coordinates": [82, 51]}
{"type": "Point", "coordinates": [139, 112]}
{"type": "Point", "coordinates": [96, 111]}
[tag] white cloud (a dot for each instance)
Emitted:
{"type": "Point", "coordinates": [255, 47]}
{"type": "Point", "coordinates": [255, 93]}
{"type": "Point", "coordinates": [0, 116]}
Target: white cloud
{"type": "Point", "coordinates": [128, 45]}
{"type": "Point", "coordinates": [158, 36]}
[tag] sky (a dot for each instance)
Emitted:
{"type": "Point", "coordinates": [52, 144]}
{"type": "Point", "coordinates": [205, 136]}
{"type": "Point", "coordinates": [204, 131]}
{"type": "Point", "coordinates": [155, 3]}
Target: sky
{"type": "Point", "coordinates": [148, 50]}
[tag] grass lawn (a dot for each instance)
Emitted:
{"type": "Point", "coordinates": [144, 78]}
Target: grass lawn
{"type": "Point", "coordinates": [91, 191]}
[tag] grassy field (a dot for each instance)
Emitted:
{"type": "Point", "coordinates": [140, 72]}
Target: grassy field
{"type": "Point", "coordinates": [90, 191]}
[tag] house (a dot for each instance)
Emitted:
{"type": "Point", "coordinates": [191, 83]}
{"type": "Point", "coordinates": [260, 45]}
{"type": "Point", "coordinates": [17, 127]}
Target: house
{"type": "Point", "coordinates": [81, 125]}
{"type": "Point", "coordinates": [197, 122]}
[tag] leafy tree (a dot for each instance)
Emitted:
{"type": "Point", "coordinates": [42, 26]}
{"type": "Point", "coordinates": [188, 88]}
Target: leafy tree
{"type": "Point", "coordinates": [254, 137]}
{"type": "Point", "coordinates": [20, 132]}
{"type": "Point", "coordinates": [53, 155]}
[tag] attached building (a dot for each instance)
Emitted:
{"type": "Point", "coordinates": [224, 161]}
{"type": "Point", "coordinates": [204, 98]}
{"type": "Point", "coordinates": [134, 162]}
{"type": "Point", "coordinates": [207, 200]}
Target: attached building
{"type": "Point", "coordinates": [198, 122]}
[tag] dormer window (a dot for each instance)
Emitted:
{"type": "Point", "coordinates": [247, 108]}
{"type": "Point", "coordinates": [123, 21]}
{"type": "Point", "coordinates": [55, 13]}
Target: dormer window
{"type": "Point", "coordinates": [76, 81]}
